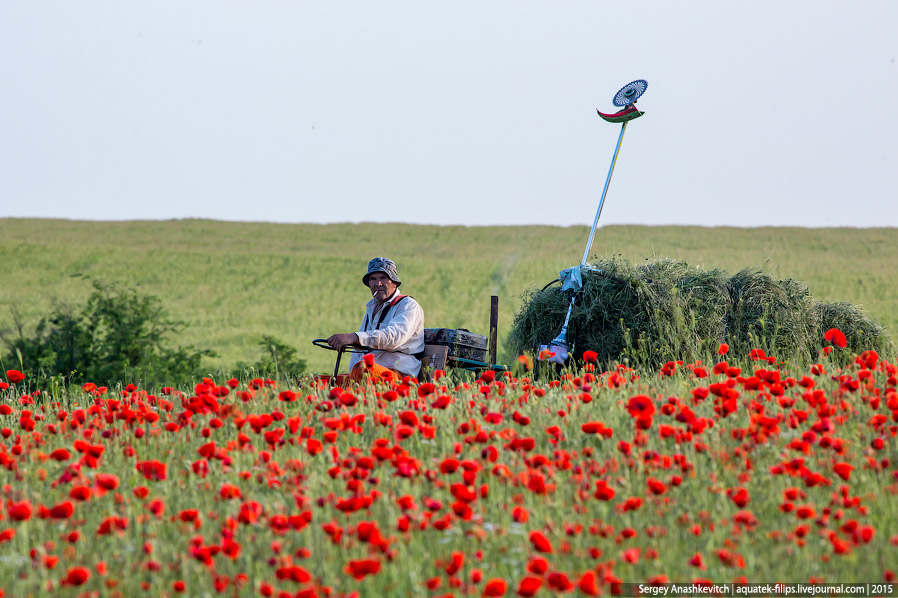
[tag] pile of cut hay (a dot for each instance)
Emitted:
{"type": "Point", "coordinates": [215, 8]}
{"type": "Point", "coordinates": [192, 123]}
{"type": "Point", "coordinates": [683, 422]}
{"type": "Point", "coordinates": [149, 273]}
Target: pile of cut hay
{"type": "Point", "coordinates": [667, 310]}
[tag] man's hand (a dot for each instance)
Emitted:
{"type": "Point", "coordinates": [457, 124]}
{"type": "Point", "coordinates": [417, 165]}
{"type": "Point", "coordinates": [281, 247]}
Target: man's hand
{"type": "Point", "coordinates": [338, 341]}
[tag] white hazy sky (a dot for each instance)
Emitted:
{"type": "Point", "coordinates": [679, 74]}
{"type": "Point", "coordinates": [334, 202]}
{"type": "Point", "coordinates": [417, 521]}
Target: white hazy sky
{"type": "Point", "coordinates": [757, 113]}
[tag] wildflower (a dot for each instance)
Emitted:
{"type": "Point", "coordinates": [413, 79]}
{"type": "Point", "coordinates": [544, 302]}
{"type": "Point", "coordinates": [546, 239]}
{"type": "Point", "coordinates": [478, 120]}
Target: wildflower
{"type": "Point", "coordinates": [538, 565]}
{"type": "Point", "coordinates": [540, 542]}
{"type": "Point", "coordinates": [152, 470]}
{"type": "Point", "coordinates": [63, 510]}
{"type": "Point", "coordinates": [76, 576]}
{"type": "Point", "coordinates": [107, 481]}
{"type": "Point", "coordinates": [61, 454]}
{"type": "Point", "coordinates": [843, 470]}
{"type": "Point", "coordinates": [698, 561]}
{"type": "Point", "coordinates": [833, 335]}
{"type": "Point", "coordinates": [529, 586]}
{"type": "Point", "coordinates": [738, 496]}
{"type": "Point", "coordinates": [14, 376]}
{"type": "Point", "coordinates": [587, 584]}
{"type": "Point", "coordinates": [362, 568]}
{"type": "Point", "coordinates": [656, 486]}
{"type": "Point", "coordinates": [19, 511]}
{"type": "Point", "coordinates": [640, 406]}
{"type": "Point", "coordinates": [495, 587]}
{"type": "Point", "coordinates": [456, 563]}
{"type": "Point", "coordinates": [603, 491]}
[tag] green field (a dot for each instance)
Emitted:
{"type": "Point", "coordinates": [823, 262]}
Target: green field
{"type": "Point", "coordinates": [234, 282]}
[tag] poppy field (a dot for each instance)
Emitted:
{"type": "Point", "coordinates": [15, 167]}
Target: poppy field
{"type": "Point", "coordinates": [523, 483]}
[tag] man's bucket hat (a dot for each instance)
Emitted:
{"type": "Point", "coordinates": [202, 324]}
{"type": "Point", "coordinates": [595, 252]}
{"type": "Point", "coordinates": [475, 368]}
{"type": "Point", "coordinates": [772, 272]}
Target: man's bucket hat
{"type": "Point", "coordinates": [382, 264]}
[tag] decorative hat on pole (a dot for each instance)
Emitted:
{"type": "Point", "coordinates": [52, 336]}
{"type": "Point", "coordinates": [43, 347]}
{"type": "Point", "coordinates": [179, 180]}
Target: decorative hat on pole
{"type": "Point", "coordinates": [558, 350]}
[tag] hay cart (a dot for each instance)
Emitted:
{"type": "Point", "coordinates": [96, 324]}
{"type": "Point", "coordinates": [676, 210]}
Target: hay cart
{"type": "Point", "coordinates": [444, 348]}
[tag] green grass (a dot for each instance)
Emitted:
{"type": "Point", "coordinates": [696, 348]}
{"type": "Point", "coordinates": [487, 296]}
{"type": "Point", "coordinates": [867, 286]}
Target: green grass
{"type": "Point", "coordinates": [234, 282]}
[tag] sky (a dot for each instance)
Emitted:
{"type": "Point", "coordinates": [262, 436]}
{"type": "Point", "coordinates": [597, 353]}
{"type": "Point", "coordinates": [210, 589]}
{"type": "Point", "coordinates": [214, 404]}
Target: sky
{"type": "Point", "coordinates": [478, 113]}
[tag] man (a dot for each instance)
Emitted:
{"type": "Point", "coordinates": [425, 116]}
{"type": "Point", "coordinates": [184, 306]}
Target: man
{"type": "Point", "coordinates": [393, 326]}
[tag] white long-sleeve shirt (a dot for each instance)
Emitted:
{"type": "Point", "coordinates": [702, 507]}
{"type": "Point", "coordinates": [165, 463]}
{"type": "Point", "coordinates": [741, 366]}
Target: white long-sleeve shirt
{"type": "Point", "coordinates": [400, 335]}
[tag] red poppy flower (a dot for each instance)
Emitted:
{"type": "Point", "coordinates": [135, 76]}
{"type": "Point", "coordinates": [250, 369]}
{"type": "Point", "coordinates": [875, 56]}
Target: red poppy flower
{"type": "Point", "coordinates": [229, 491]}
{"type": "Point", "coordinates": [14, 376]}
{"type": "Point", "coordinates": [152, 470]}
{"type": "Point", "coordinates": [540, 542]}
{"type": "Point", "coordinates": [656, 486]}
{"type": "Point", "coordinates": [107, 481]}
{"type": "Point", "coordinates": [80, 493]}
{"type": "Point", "coordinates": [590, 356]}
{"type": "Point", "coordinates": [587, 584]}
{"type": "Point", "coordinates": [361, 568]}
{"type": "Point", "coordinates": [730, 558]}
{"type": "Point", "coordinates": [723, 349]}
{"type": "Point", "coordinates": [538, 565]}
{"type": "Point", "coordinates": [19, 511]}
{"type": "Point", "coordinates": [189, 515]}
{"type": "Point", "coordinates": [806, 512]}
{"type": "Point", "coordinates": [640, 407]}
{"type": "Point", "coordinates": [634, 503]}
{"type": "Point", "coordinates": [603, 491]}
{"type": "Point", "coordinates": [843, 470]}
{"type": "Point", "coordinates": [739, 496]}
{"type": "Point", "coordinates": [495, 587]}
{"type": "Point", "coordinates": [76, 576]}
{"type": "Point", "coordinates": [529, 586]}
{"type": "Point", "coordinates": [63, 510]}
{"type": "Point", "coordinates": [597, 428]}
{"type": "Point", "coordinates": [698, 561]}
{"type": "Point", "coordinates": [757, 354]}
{"type": "Point", "coordinates": [61, 454]}
{"type": "Point", "coordinates": [458, 559]}
{"type": "Point", "coordinates": [833, 335]}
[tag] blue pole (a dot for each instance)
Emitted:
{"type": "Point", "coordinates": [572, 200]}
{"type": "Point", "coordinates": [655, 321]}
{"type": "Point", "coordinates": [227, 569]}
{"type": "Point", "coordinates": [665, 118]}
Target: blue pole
{"type": "Point", "coordinates": [595, 222]}
{"type": "Point", "coordinates": [559, 343]}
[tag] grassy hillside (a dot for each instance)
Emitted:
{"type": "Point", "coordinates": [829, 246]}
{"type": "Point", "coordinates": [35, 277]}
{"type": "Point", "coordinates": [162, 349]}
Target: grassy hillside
{"type": "Point", "coordinates": [234, 282]}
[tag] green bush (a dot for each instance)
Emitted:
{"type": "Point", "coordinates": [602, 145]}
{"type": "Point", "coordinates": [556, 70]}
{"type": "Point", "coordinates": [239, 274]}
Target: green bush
{"type": "Point", "coordinates": [119, 335]}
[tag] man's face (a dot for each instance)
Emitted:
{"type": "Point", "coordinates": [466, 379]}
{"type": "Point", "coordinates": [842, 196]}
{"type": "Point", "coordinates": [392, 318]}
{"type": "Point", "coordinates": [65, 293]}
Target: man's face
{"type": "Point", "coordinates": [381, 286]}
